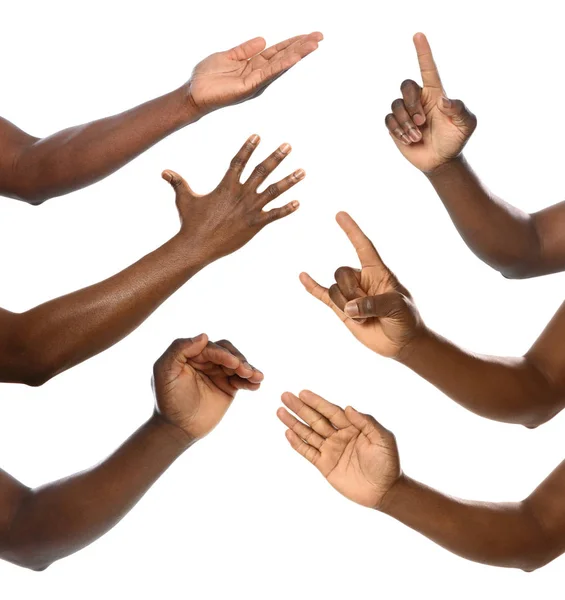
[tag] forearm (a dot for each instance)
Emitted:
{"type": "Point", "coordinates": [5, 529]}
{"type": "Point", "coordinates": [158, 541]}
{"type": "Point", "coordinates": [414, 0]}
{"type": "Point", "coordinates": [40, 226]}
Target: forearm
{"type": "Point", "coordinates": [499, 534]}
{"type": "Point", "coordinates": [82, 155]}
{"type": "Point", "coordinates": [60, 518]}
{"type": "Point", "coordinates": [501, 235]}
{"type": "Point", "coordinates": [512, 390]}
{"type": "Point", "coordinates": [61, 333]}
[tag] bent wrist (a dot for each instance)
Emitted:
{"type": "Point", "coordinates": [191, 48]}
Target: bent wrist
{"type": "Point", "coordinates": [187, 110]}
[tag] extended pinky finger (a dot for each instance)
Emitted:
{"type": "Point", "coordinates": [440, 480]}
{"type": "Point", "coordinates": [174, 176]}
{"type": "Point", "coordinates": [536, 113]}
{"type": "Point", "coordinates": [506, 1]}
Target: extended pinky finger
{"type": "Point", "coordinates": [308, 452]}
{"type": "Point", "coordinates": [280, 213]}
{"type": "Point", "coordinates": [396, 131]}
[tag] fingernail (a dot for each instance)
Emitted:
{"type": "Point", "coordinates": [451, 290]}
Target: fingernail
{"type": "Point", "coordinates": [285, 148]}
{"type": "Point", "coordinates": [295, 204]}
{"type": "Point", "coordinates": [405, 139]}
{"type": "Point", "coordinates": [254, 139]}
{"type": "Point", "coordinates": [300, 174]}
{"type": "Point", "coordinates": [418, 119]}
{"type": "Point", "coordinates": [414, 134]}
{"type": "Point", "coordinates": [446, 102]}
{"type": "Point", "coordinates": [351, 309]}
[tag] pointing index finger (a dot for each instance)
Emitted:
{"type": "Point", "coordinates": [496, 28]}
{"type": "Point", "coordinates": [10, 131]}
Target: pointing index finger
{"type": "Point", "coordinates": [367, 253]}
{"type": "Point", "coordinates": [428, 68]}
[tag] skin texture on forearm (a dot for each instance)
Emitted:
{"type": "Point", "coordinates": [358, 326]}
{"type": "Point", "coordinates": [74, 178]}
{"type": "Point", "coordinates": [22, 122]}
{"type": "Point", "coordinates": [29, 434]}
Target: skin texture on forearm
{"type": "Point", "coordinates": [81, 155]}
{"type": "Point", "coordinates": [514, 390]}
{"type": "Point", "coordinates": [498, 534]}
{"type": "Point", "coordinates": [525, 535]}
{"type": "Point", "coordinates": [53, 521]}
{"type": "Point", "coordinates": [48, 339]}
{"type": "Point", "coordinates": [508, 239]}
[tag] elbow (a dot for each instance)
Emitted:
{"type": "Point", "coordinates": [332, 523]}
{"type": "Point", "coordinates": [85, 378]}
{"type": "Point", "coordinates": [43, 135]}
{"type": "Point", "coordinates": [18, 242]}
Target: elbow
{"type": "Point", "coordinates": [518, 270]}
{"type": "Point", "coordinates": [32, 195]}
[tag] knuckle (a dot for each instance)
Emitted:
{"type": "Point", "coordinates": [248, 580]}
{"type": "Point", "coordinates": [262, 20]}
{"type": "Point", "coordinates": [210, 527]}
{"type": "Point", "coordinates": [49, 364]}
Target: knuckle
{"type": "Point", "coordinates": [273, 190]}
{"type": "Point", "coordinates": [236, 162]}
{"type": "Point", "coordinates": [261, 170]}
{"type": "Point", "coordinates": [390, 121]}
{"type": "Point", "coordinates": [368, 304]}
{"type": "Point", "coordinates": [341, 273]}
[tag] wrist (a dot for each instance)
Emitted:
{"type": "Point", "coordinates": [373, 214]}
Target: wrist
{"type": "Point", "coordinates": [193, 253]}
{"type": "Point", "coordinates": [445, 168]}
{"type": "Point", "coordinates": [396, 494]}
{"type": "Point", "coordinates": [414, 346]}
{"type": "Point", "coordinates": [188, 111]}
{"type": "Point", "coordinates": [177, 437]}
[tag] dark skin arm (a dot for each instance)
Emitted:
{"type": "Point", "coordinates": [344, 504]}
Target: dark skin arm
{"type": "Point", "coordinates": [195, 382]}
{"type": "Point", "coordinates": [40, 343]}
{"type": "Point", "coordinates": [381, 314]}
{"type": "Point", "coordinates": [431, 130]}
{"type": "Point", "coordinates": [359, 458]}
{"type": "Point", "coordinates": [34, 169]}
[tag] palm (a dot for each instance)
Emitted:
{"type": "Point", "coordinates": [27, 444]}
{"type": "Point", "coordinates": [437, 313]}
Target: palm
{"type": "Point", "coordinates": [245, 71]}
{"type": "Point", "coordinates": [380, 335]}
{"type": "Point", "coordinates": [441, 140]}
{"type": "Point", "coordinates": [356, 454]}
{"type": "Point", "coordinates": [360, 470]}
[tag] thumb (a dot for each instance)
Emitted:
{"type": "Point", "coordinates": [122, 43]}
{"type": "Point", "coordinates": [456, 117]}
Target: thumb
{"type": "Point", "coordinates": [183, 349]}
{"type": "Point", "coordinates": [456, 110]}
{"type": "Point", "coordinates": [383, 305]}
{"type": "Point", "coordinates": [176, 181]}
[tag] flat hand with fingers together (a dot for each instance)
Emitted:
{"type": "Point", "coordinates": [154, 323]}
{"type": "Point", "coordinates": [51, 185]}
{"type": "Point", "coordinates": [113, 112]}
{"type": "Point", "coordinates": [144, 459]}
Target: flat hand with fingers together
{"type": "Point", "coordinates": [370, 301]}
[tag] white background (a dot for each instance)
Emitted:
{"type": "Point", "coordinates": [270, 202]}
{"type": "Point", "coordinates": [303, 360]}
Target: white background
{"type": "Point", "coordinates": [242, 515]}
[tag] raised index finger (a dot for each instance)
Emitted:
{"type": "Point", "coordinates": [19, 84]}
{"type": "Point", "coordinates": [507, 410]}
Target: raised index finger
{"type": "Point", "coordinates": [367, 253]}
{"type": "Point", "coordinates": [428, 68]}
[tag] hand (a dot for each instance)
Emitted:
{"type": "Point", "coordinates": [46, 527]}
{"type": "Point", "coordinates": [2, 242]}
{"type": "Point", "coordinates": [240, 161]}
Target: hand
{"type": "Point", "coordinates": [226, 219]}
{"type": "Point", "coordinates": [244, 72]}
{"type": "Point", "coordinates": [357, 455]}
{"type": "Point", "coordinates": [372, 304]}
{"type": "Point", "coordinates": [196, 380]}
{"type": "Point", "coordinates": [427, 127]}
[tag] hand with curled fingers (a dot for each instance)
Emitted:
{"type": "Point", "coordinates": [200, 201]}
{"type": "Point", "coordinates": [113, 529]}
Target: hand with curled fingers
{"type": "Point", "coordinates": [195, 381]}
{"type": "Point", "coordinates": [223, 221]}
{"type": "Point", "coordinates": [354, 452]}
{"type": "Point", "coordinates": [370, 301]}
{"type": "Point", "coordinates": [429, 128]}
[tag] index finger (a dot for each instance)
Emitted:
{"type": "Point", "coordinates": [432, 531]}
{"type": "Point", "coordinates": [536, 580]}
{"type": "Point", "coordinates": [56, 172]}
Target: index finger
{"type": "Point", "coordinates": [428, 68]}
{"type": "Point", "coordinates": [367, 253]}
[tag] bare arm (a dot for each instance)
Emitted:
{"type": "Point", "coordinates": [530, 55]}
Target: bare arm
{"type": "Point", "coordinates": [525, 535]}
{"type": "Point", "coordinates": [193, 391]}
{"type": "Point", "coordinates": [55, 520]}
{"type": "Point", "coordinates": [431, 130]}
{"type": "Point", "coordinates": [34, 169]}
{"type": "Point", "coordinates": [381, 314]}
{"type": "Point", "coordinates": [40, 343]}
{"type": "Point", "coordinates": [359, 458]}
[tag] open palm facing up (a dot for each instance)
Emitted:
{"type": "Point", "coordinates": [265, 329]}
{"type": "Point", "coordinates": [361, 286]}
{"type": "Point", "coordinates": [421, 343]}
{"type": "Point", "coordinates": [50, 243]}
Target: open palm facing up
{"type": "Point", "coordinates": [428, 128]}
{"type": "Point", "coordinates": [196, 380]}
{"type": "Point", "coordinates": [245, 71]}
{"type": "Point", "coordinates": [370, 301]}
{"type": "Point", "coordinates": [354, 452]}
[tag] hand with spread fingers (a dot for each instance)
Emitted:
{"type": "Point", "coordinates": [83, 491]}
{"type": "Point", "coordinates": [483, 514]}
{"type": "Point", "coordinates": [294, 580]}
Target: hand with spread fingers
{"type": "Point", "coordinates": [355, 453]}
{"type": "Point", "coordinates": [221, 222]}
{"type": "Point", "coordinates": [244, 72]}
{"type": "Point", "coordinates": [370, 301]}
{"type": "Point", "coordinates": [429, 128]}
{"type": "Point", "coordinates": [196, 380]}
